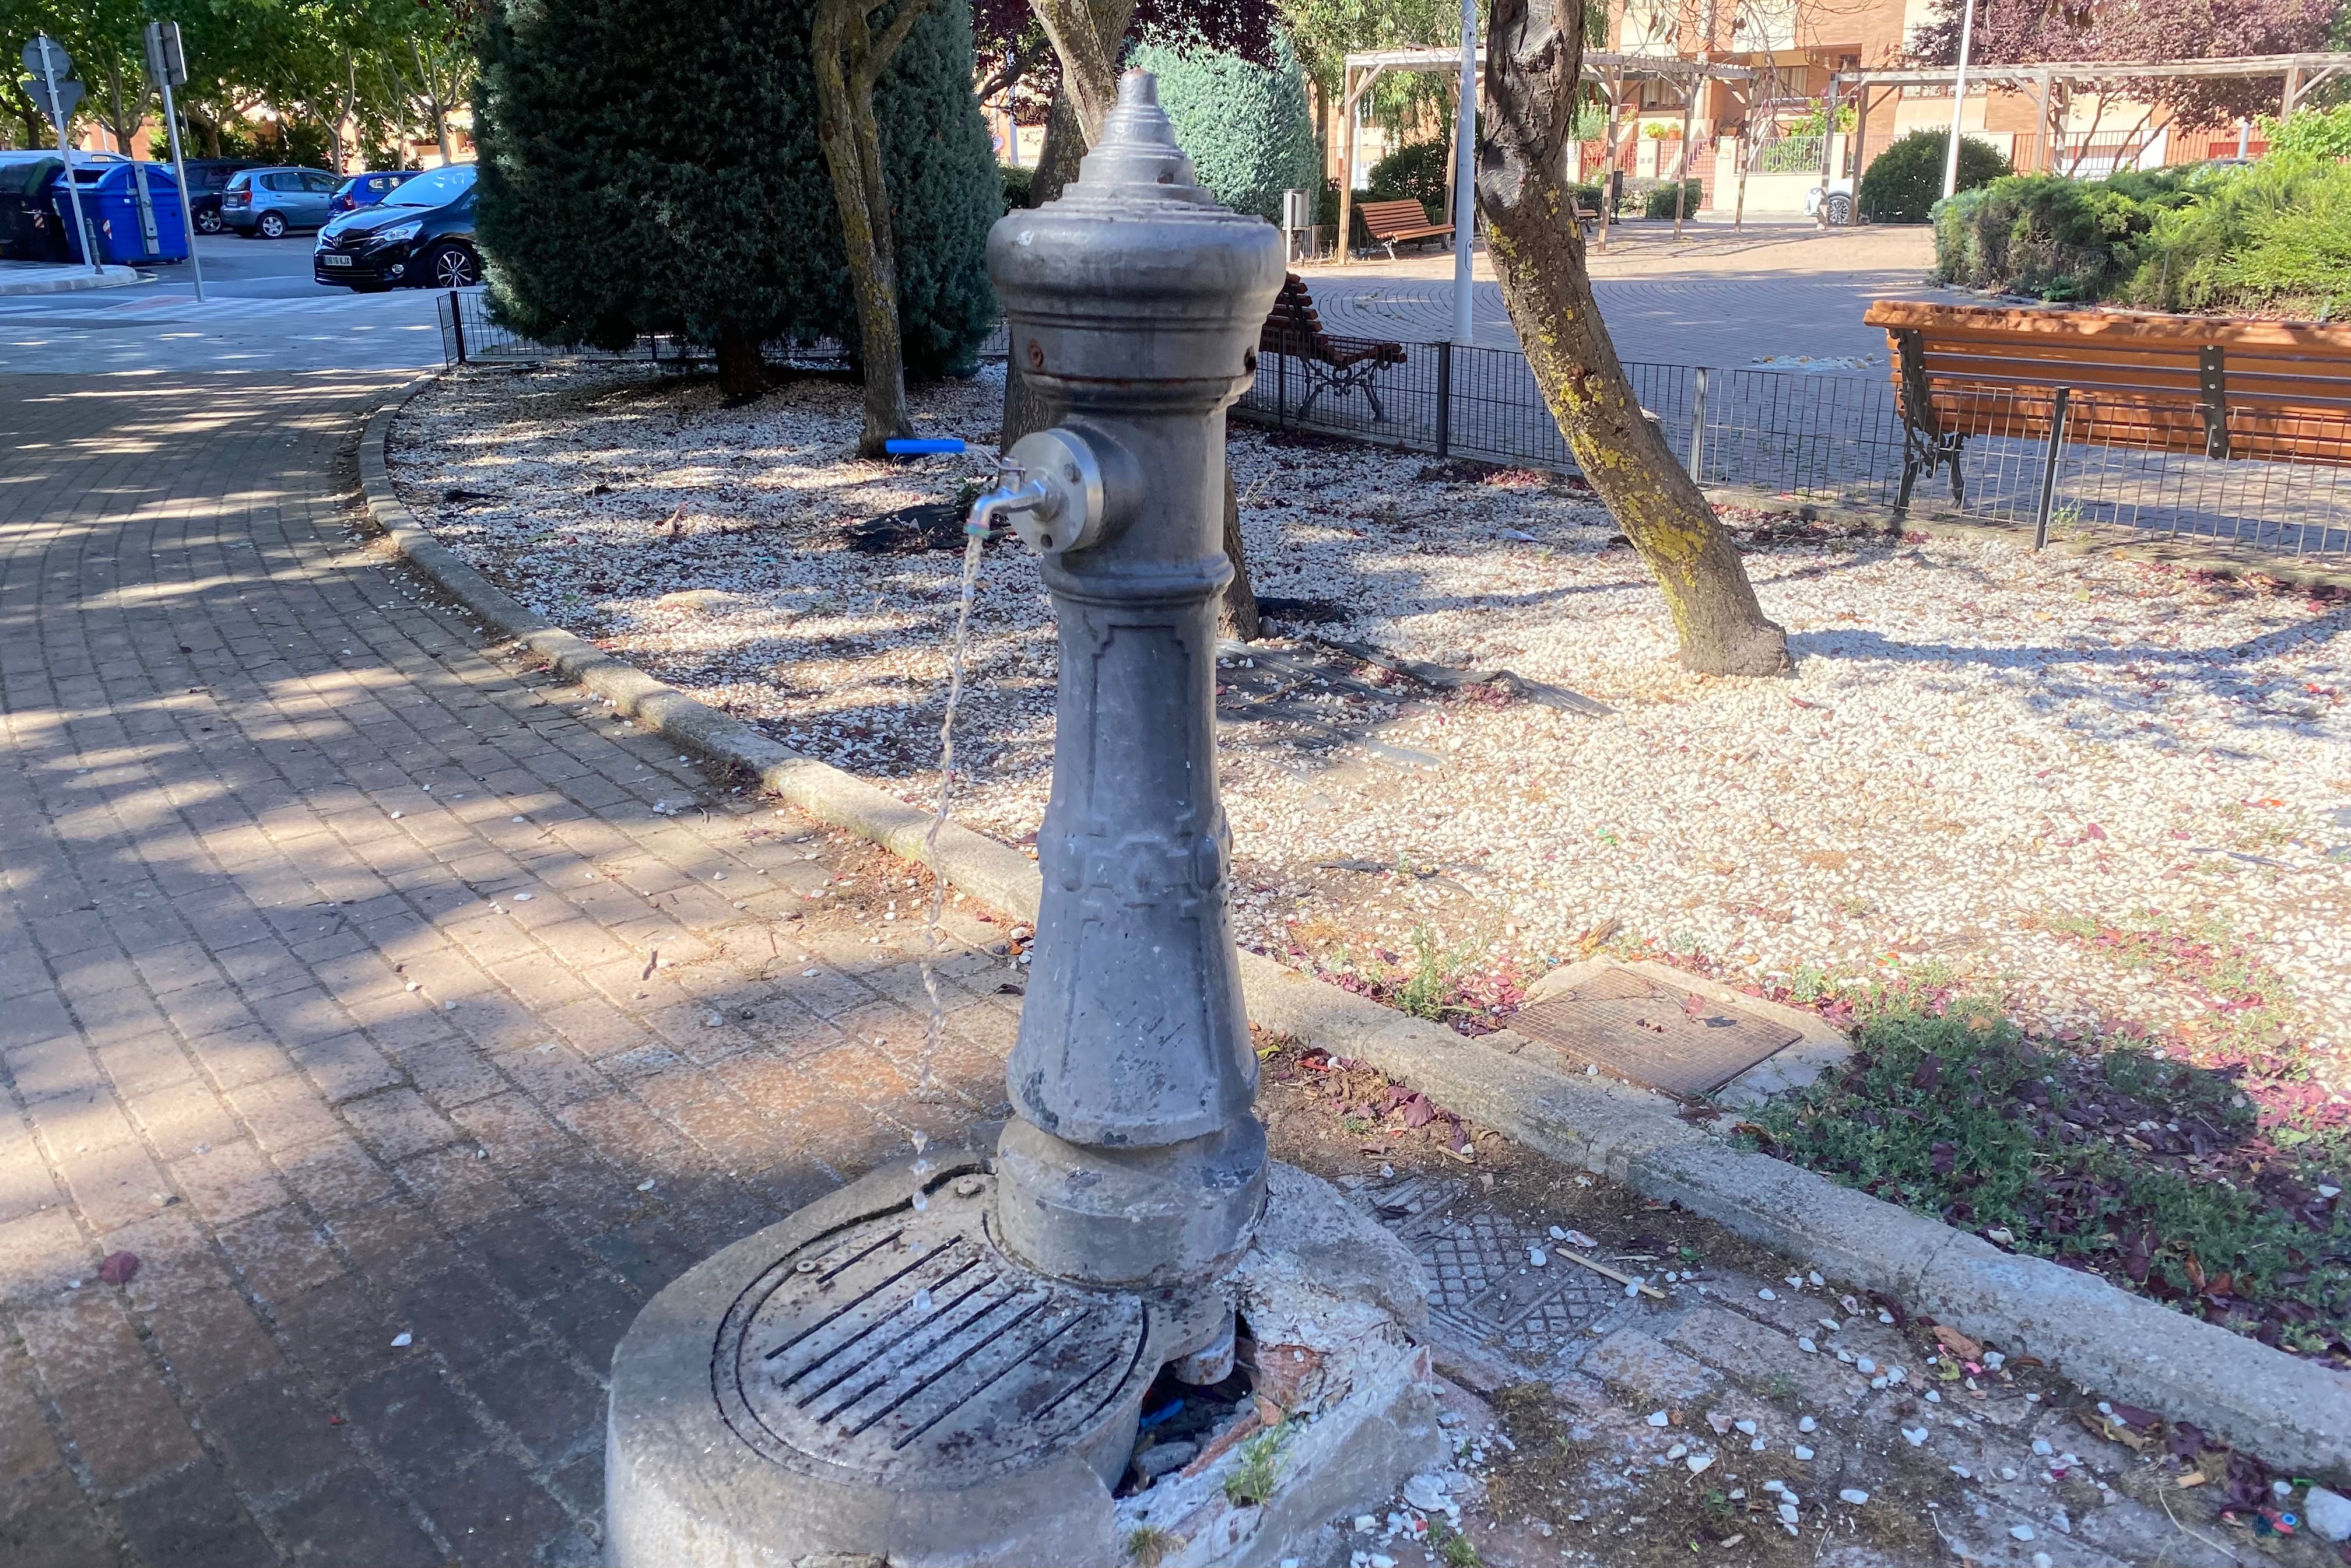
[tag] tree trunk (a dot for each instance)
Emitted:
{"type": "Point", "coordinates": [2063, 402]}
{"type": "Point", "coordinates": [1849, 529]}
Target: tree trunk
{"type": "Point", "coordinates": [848, 61]}
{"type": "Point", "coordinates": [742, 372]}
{"type": "Point", "coordinates": [432, 100]}
{"type": "Point", "coordinates": [1533, 56]}
{"type": "Point", "coordinates": [1086, 35]}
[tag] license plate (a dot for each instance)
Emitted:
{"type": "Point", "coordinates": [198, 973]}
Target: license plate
{"type": "Point", "coordinates": [335, 260]}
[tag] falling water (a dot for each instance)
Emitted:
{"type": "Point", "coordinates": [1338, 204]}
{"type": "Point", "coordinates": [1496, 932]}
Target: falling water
{"type": "Point", "coordinates": [973, 542]}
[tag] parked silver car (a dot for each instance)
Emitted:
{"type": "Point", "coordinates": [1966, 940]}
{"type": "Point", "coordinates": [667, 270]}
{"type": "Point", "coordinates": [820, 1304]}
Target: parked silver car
{"type": "Point", "coordinates": [272, 202]}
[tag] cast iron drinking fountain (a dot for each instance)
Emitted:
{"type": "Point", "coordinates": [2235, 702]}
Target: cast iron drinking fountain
{"type": "Point", "coordinates": [946, 1363]}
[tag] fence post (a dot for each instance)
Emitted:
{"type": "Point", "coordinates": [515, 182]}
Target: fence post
{"type": "Point", "coordinates": [1698, 429]}
{"type": "Point", "coordinates": [2049, 467]}
{"type": "Point", "coordinates": [1445, 400]}
{"type": "Point", "coordinates": [1281, 391]}
{"type": "Point", "coordinates": [457, 322]}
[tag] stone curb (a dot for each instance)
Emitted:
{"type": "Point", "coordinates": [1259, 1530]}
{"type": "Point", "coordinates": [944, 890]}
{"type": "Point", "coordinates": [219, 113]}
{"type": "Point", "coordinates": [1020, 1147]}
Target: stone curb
{"type": "Point", "coordinates": [81, 280]}
{"type": "Point", "coordinates": [2294, 1414]}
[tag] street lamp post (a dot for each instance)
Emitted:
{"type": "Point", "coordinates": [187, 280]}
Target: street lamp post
{"type": "Point", "coordinates": [1958, 101]}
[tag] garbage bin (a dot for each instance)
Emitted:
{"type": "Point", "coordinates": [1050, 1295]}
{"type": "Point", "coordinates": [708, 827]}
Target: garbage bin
{"type": "Point", "coordinates": [29, 231]}
{"type": "Point", "coordinates": [119, 227]}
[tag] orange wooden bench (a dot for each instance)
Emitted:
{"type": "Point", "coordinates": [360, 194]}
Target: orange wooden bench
{"type": "Point", "coordinates": [1391, 223]}
{"type": "Point", "coordinates": [1293, 326]}
{"type": "Point", "coordinates": [2223, 388]}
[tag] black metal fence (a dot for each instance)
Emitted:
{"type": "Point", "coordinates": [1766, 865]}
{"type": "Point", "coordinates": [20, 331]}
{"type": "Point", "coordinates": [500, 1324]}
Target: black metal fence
{"type": "Point", "coordinates": [1811, 437]}
{"type": "Point", "coordinates": [1830, 437]}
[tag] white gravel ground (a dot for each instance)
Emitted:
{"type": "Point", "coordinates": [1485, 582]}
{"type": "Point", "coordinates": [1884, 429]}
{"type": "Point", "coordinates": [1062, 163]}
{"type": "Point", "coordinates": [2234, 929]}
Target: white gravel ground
{"type": "Point", "coordinates": [1976, 740]}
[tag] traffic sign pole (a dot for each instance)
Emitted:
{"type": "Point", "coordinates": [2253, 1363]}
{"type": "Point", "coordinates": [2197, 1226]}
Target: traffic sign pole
{"type": "Point", "coordinates": [45, 57]}
{"type": "Point", "coordinates": [168, 65]}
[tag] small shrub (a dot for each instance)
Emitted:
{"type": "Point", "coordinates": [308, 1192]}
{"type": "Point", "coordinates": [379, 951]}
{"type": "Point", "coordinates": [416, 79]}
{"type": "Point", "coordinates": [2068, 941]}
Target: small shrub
{"type": "Point", "coordinates": [1659, 202]}
{"type": "Point", "coordinates": [1251, 1483]}
{"type": "Point", "coordinates": [2046, 235]}
{"type": "Point", "coordinates": [2276, 235]}
{"type": "Point", "coordinates": [1902, 184]}
{"type": "Point", "coordinates": [2312, 133]}
{"type": "Point", "coordinates": [1413, 172]}
{"type": "Point", "coordinates": [1017, 183]}
{"type": "Point", "coordinates": [1246, 127]}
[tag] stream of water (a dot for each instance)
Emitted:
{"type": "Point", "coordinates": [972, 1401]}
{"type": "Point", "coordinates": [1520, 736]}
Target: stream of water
{"type": "Point", "coordinates": [925, 1086]}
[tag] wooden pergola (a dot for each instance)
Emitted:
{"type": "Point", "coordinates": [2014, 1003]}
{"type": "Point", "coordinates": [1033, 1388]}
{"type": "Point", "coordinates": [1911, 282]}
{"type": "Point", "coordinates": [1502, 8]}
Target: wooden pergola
{"type": "Point", "coordinates": [2301, 73]}
{"type": "Point", "coordinates": [1607, 69]}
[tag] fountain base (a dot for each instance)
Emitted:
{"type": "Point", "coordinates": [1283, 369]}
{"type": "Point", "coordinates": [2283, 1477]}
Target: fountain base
{"type": "Point", "coordinates": [868, 1382]}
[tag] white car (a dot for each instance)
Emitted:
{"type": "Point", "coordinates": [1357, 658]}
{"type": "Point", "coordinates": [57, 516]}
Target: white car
{"type": "Point", "coordinates": [1831, 204]}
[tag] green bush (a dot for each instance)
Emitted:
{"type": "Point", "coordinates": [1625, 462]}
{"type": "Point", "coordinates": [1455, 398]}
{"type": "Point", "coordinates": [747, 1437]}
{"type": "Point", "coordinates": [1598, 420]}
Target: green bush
{"type": "Point", "coordinates": [1659, 202]}
{"type": "Point", "coordinates": [1246, 127]}
{"type": "Point", "coordinates": [2274, 236]}
{"type": "Point", "coordinates": [612, 206]}
{"type": "Point", "coordinates": [1415, 171]}
{"type": "Point", "coordinates": [2313, 132]}
{"type": "Point", "coordinates": [1017, 183]}
{"type": "Point", "coordinates": [2048, 235]}
{"type": "Point", "coordinates": [1903, 182]}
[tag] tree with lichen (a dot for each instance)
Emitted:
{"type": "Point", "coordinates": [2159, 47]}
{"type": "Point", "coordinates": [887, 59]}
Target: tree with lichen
{"type": "Point", "coordinates": [1533, 60]}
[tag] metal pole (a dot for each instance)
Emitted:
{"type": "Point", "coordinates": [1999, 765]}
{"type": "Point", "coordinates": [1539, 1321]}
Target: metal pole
{"type": "Point", "coordinates": [187, 205]}
{"type": "Point", "coordinates": [1608, 166]}
{"type": "Point", "coordinates": [1445, 400]}
{"type": "Point", "coordinates": [2049, 467]}
{"type": "Point", "coordinates": [64, 150]}
{"type": "Point", "coordinates": [1828, 146]}
{"type": "Point", "coordinates": [1698, 429]}
{"type": "Point", "coordinates": [457, 322]}
{"type": "Point", "coordinates": [1958, 98]}
{"type": "Point", "coordinates": [1681, 175]}
{"type": "Point", "coordinates": [1465, 181]}
{"type": "Point", "coordinates": [1348, 93]}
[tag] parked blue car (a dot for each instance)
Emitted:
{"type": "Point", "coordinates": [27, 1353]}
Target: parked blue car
{"type": "Point", "coordinates": [366, 190]}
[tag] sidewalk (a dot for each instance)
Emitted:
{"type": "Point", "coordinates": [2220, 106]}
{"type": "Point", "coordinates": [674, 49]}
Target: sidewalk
{"type": "Point", "coordinates": [410, 1020]}
{"type": "Point", "coordinates": [44, 278]}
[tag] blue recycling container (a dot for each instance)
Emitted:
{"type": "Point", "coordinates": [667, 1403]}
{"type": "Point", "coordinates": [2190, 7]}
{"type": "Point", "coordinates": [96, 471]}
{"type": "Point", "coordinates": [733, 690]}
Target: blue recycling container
{"type": "Point", "coordinates": [110, 204]}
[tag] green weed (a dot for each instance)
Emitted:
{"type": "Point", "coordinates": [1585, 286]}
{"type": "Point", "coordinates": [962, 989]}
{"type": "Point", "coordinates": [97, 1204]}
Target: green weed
{"type": "Point", "coordinates": [1252, 1480]}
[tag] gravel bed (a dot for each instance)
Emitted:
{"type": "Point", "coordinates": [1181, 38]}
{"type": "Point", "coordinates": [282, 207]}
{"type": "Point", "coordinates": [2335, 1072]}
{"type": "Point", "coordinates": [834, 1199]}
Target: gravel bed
{"type": "Point", "coordinates": [1978, 746]}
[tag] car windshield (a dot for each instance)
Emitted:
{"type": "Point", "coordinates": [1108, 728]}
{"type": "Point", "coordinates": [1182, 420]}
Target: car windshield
{"type": "Point", "coordinates": [437, 188]}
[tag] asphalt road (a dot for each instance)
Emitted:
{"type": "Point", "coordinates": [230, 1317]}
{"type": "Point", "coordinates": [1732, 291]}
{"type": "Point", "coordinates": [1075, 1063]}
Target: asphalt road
{"type": "Point", "coordinates": [261, 311]}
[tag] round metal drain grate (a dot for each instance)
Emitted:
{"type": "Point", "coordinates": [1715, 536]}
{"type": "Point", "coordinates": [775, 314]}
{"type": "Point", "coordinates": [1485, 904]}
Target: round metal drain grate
{"type": "Point", "coordinates": [908, 1344]}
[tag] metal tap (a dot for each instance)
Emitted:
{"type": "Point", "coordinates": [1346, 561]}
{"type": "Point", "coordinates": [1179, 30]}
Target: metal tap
{"type": "Point", "coordinates": [1063, 507]}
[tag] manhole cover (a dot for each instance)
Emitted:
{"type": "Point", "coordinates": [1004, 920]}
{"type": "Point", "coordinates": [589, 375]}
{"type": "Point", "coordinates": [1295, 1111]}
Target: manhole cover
{"type": "Point", "coordinates": [908, 1344]}
{"type": "Point", "coordinates": [1653, 1034]}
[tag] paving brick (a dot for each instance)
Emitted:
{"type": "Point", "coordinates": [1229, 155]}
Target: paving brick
{"type": "Point", "coordinates": [125, 1426]}
{"type": "Point", "coordinates": [275, 1439]}
{"type": "Point", "coordinates": [399, 1123]}
{"type": "Point", "coordinates": [212, 1340]}
{"type": "Point", "coordinates": [494, 1513]}
{"type": "Point", "coordinates": [355, 1518]}
{"type": "Point", "coordinates": [415, 1419]}
{"type": "Point", "coordinates": [193, 1520]}
{"type": "Point", "coordinates": [279, 1253]}
{"type": "Point", "coordinates": [229, 1181]}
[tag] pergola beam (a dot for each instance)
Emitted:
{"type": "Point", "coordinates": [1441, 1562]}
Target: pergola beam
{"type": "Point", "coordinates": [2301, 66]}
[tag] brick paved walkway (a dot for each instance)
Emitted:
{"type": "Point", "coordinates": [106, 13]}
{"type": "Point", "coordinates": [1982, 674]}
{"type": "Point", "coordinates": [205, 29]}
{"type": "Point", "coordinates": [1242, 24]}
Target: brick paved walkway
{"type": "Point", "coordinates": [381, 999]}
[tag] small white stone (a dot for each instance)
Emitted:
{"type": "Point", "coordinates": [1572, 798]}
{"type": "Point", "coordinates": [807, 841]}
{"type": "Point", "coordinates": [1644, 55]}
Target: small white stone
{"type": "Point", "coordinates": [1883, 1316]}
{"type": "Point", "coordinates": [1807, 1346]}
{"type": "Point", "coordinates": [1806, 1424]}
{"type": "Point", "coordinates": [1993, 1360]}
{"type": "Point", "coordinates": [1853, 1495]}
{"type": "Point", "coordinates": [2042, 1446]}
{"type": "Point", "coordinates": [1746, 1426]}
{"type": "Point", "coordinates": [1765, 1293]}
{"type": "Point", "coordinates": [1775, 1486]}
{"type": "Point", "coordinates": [1814, 1277]}
{"type": "Point", "coordinates": [1536, 1256]}
{"type": "Point", "coordinates": [1677, 1451]}
{"type": "Point", "coordinates": [1914, 1435]}
{"type": "Point", "coordinates": [2021, 1531]}
{"type": "Point", "coordinates": [1656, 1417]}
{"type": "Point", "coordinates": [1697, 1463]}
{"type": "Point", "coordinates": [403, 1339]}
{"type": "Point", "coordinates": [1756, 1447]}
{"type": "Point", "coordinates": [1788, 1515]}
{"type": "Point", "coordinates": [1364, 1522]}
{"type": "Point", "coordinates": [1864, 1366]}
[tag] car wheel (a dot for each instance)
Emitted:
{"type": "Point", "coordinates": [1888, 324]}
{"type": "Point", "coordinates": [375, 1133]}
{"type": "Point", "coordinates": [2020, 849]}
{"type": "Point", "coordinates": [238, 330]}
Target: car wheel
{"type": "Point", "coordinates": [453, 267]}
{"type": "Point", "coordinates": [208, 222]}
{"type": "Point", "coordinates": [271, 225]}
{"type": "Point", "coordinates": [1840, 209]}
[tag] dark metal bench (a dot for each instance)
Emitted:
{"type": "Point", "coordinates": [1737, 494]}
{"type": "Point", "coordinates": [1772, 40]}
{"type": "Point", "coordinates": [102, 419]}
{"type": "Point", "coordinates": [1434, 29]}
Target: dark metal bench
{"type": "Point", "coordinates": [1293, 327]}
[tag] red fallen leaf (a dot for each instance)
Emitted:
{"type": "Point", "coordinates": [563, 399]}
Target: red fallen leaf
{"type": "Point", "coordinates": [2132, 1416]}
{"type": "Point", "coordinates": [1418, 1111]}
{"type": "Point", "coordinates": [1693, 1006]}
{"type": "Point", "coordinates": [2186, 1439]}
{"type": "Point", "coordinates": [2094, 832]}
{"type": "Point", "coordinates": [120, 1267]}
{"type": "Point", "coordinates": [1799, 702]}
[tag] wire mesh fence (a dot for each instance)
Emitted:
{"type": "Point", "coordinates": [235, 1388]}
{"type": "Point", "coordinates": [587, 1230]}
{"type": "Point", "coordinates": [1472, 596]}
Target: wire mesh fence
{"type": "Point", "coordinates": [2283, 490]}
{"type": "Point", "coordinates": [2286, 490]}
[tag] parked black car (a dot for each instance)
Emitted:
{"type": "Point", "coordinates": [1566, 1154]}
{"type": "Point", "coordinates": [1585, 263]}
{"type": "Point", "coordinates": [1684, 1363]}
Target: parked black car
{"type": "Point", "coordinates": [419, 234]}
{"type": "Point", "coordinates": [207, 178]}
